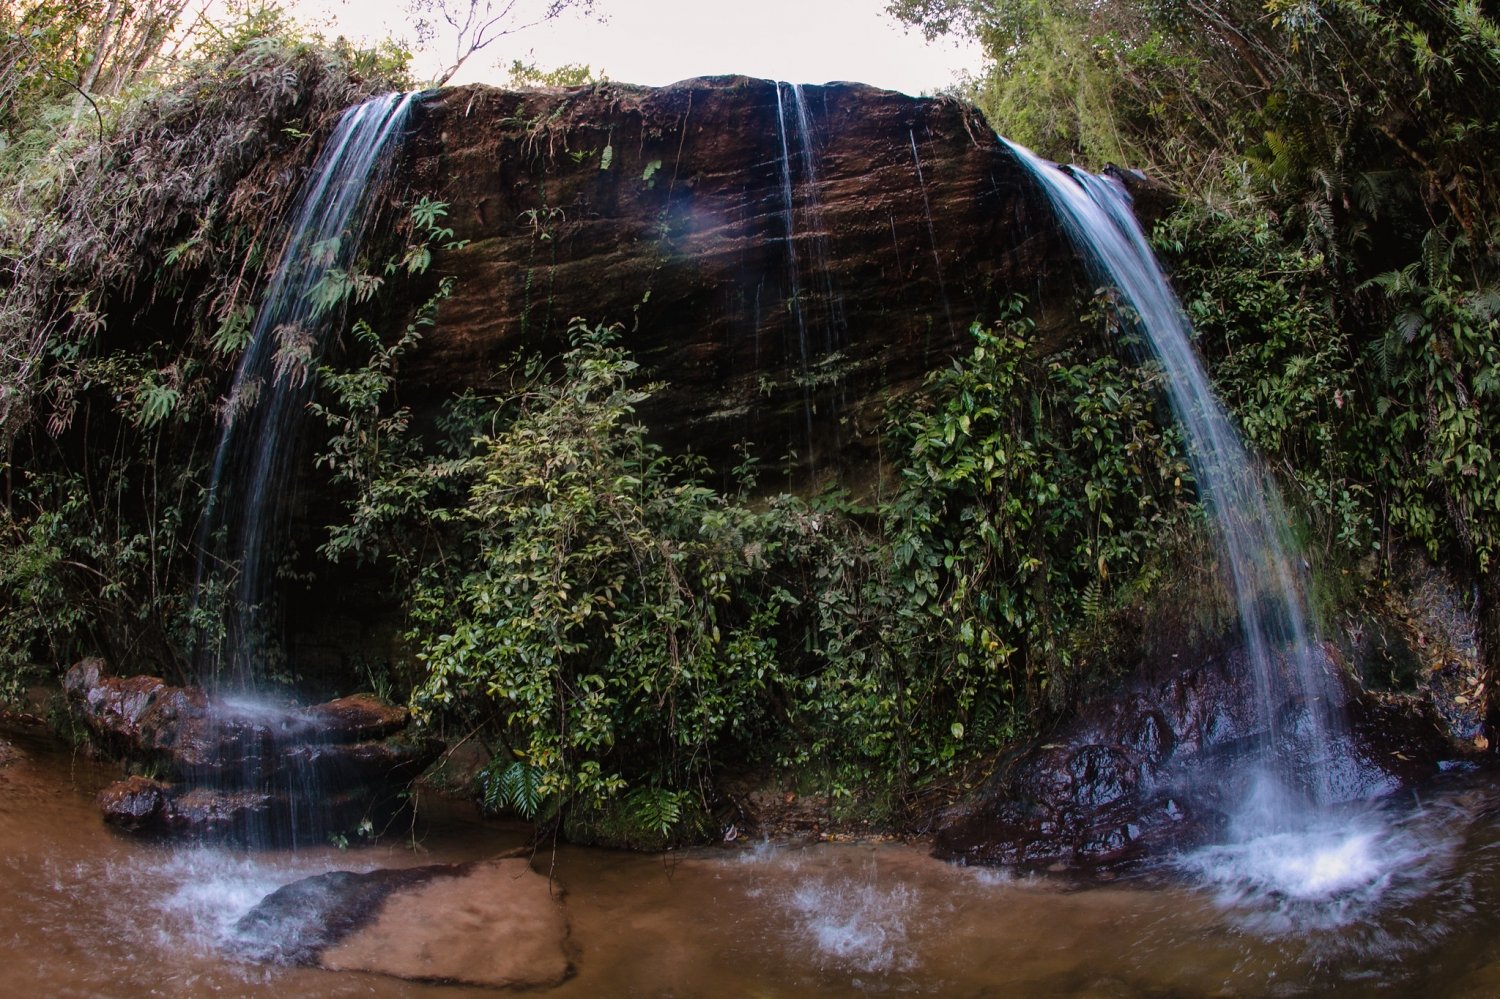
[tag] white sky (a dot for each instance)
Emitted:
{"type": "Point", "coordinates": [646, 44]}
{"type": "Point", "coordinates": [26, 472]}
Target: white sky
{"type": "Point", "coordinates": [661, 41]}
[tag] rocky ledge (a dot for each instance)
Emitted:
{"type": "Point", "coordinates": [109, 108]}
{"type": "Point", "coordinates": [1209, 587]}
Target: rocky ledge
{"type": "Point", "coordinates": [241, 770]}
{"type": "Point", "coordinates": [772, 253]}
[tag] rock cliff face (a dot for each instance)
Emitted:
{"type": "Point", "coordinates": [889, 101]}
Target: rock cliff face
{"type": "Point", "coordinates": [785, 259]}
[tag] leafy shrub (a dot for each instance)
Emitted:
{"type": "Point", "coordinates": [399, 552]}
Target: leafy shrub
{"type": "Point", "coordinates": [602, 621]}
{"type": "Point", "coordinates": [1029, 489]}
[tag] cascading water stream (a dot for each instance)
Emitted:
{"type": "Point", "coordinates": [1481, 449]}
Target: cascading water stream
{"type": "Point", "coordinates": [244, 519]}
{"type": "Point", "coordinates": [247, 494]}
{"type": "Point", "coordinates": [1299, 700]}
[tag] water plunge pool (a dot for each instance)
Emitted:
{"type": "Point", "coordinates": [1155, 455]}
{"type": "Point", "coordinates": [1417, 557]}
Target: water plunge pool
{"type": "Point", "coordinates": [1402, 900]}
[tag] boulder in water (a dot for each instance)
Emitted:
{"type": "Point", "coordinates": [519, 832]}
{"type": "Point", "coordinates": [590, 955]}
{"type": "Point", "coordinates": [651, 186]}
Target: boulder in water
{"type": "Point", "coordinates": [495, 923]}
{"type": "Point", "coordinates": [246, 771]}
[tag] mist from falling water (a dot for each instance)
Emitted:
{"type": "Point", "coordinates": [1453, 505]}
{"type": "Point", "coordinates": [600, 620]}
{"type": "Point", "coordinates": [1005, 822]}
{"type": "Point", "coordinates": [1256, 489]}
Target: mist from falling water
{"type": "Point", "coordinates": [1288, 838]}
{"type": "Point", "coordinates": [851, 920]}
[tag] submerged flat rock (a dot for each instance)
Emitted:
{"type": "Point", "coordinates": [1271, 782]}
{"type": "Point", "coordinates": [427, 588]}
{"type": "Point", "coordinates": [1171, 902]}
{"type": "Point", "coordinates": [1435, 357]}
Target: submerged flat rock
{"type": "Point", "coordinates": [495, 923]}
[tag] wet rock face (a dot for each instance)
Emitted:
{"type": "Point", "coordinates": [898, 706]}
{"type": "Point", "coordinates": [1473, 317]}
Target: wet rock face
{"type": "Point", "coordinates": [1428, 639]}
{"type": "Point", "coordinates": [244, 771]}
{"type": "Point", "coordinates": [494, 923]}
{"type": "Point", "coordinates": [777, 264]}
{"type": "Point", "coordinates": [1158, 767]}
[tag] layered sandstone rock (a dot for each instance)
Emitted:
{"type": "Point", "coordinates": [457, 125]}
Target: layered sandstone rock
{"type": "Point", "coordinates": [786, 261]}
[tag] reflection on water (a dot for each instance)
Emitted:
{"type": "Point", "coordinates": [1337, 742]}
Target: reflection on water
{"type": "Point", "coordinates": [1395, 901]}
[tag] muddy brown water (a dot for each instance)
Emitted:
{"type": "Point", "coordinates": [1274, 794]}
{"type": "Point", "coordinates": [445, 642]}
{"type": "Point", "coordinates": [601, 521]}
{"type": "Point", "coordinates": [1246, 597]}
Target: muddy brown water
{"type": "Point", "coordinates": [86, 912]}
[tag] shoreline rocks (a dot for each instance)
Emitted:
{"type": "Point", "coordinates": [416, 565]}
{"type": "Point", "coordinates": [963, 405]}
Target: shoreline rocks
{"type": "Point", "coordinates": [243, 771]}
{"type": "Point", "coordinates": [1162, 765]}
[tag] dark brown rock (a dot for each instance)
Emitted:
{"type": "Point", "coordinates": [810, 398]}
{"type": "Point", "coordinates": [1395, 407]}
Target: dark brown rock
{"type": "Point", "coordinates": [267, 817]}
{"type": "Point", "coordinates": [156, 808]}
{"type": "Point", "coordinates": [243, 770]}
{"type": "Point", "coordinates": [357, 717]}
{"type": "Point", "coordinates": [1157, 767]}
{"type": "Point", "coordinates": [295, 923]}
{"type": "Point", "coordinates": [136, 804]}
{"type": "Point", "coordinates": [232, 741]}
{"type": "Point", "coordinates": [665, 210]}
{"type": "Point", "coordinates": [397, 759]}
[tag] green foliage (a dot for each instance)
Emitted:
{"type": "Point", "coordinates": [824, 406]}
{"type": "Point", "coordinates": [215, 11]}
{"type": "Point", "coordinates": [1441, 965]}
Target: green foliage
{"type": "Point", "coordinates": [618, 627]}
{"type": "Point", "coordinates": [1341, 263]}
{"type": "Point", "coordinates": [155, 229]}
{"type": "Point", "coordinates": [33, 585]}
{"type": "Point", "coordinates": [1437, 396]}
{"type": "Point", "coordinates": [1382, 418]}
{"type": "Point", "coordinates": [1027, 486]}
{"type": "Point", "coordinates": [600, 621]}
{"type": "Point", "coordinates": [516, 786]}
{"type": "Point", "coordinates": [529, 74]}
{"type": "Point", "coordinates": [77, 579]}
{"type": "Point", "coordinates": [1267, 323]}
{"type": "Point", "coordinates": [1280, 95]}
{"type": "Point", "coordinates": [179, 171]}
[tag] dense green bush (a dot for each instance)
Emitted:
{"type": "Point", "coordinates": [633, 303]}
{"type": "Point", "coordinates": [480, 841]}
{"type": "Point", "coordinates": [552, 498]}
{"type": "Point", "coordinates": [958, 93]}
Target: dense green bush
{"type": "Point", "coordinates": [1338, 248]}
{"type": "Point", "coordinates": [610, 620]}
{"type": "Point", "coordinates": [131, 259]}
{"type": "Point", "coordinates": [617, 629]}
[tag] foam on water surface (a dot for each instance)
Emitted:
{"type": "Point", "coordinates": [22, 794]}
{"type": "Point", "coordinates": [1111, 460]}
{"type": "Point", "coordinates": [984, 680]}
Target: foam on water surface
{"type": "Point", "coordinates": [855, 915]}
{"type": "Point", "coordinates": [1336, 870]}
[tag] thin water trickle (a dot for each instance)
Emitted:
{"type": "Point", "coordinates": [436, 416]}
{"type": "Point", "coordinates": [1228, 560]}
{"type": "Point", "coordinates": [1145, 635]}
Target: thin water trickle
{"type": "Point", "coordinates": [247, 494]}
{"type": "Point", "coordinates": [831, 305]}
{"type": "Point", "coordinates": [937, 260]}
{"type": "Point", "coordinates": [1305, 765]}
{"type": "Point", "coordinates": [794, 275]}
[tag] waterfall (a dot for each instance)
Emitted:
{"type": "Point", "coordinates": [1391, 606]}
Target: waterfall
{"type": "Point", "coordinates": [813, 300]}
{"type": "Point", "coordinates": [1302, 761]}
{"type": "Point", "coordinates": [241, 531]}
{"type": "Point", "coordinates": [834, 326]}
{"type": "Point", "coordinates": [268, 761]}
